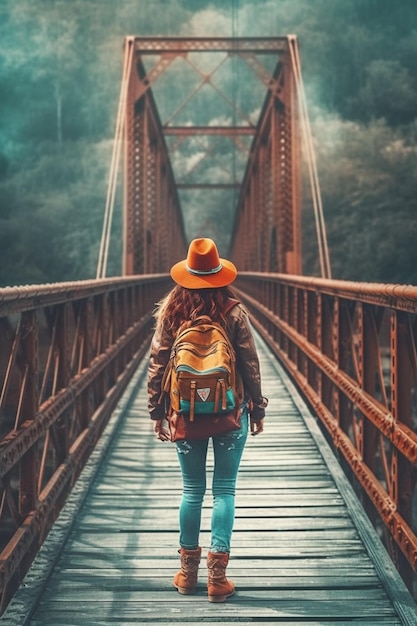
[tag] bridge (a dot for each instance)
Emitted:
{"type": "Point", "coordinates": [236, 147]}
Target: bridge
{"type": "Point", "coordinates": [326, 508]}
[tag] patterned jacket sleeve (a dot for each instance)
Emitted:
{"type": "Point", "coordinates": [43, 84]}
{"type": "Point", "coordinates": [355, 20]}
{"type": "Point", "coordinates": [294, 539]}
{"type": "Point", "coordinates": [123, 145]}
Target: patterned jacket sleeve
{"type": "Point", "coordinates": [158, 360]}
{"type": "Point", "coordinates": [247, 361]}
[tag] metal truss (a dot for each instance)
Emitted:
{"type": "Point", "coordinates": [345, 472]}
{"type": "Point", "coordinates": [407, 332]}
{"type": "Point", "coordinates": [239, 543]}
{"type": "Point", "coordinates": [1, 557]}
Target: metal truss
{"type": "Point", "coordinates": [188, 105]}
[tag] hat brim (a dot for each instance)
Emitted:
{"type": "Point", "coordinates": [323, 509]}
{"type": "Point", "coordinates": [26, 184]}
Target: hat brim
{"type": "Point", "coordinates": [183, 277]}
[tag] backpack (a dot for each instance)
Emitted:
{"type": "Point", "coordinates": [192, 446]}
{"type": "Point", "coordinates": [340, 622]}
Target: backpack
{"type": "Point", "coordinates": [200, 377]}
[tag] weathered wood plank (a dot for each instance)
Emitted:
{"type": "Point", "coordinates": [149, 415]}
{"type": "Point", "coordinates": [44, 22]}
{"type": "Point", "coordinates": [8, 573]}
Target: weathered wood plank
{"type": "Point", "coordinates": [54, 619]}
{"type": "Point", "coordinates": [250, 606]}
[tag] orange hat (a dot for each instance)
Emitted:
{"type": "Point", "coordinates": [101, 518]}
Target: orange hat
{"type": "Point", "coordinates": [203, 268]}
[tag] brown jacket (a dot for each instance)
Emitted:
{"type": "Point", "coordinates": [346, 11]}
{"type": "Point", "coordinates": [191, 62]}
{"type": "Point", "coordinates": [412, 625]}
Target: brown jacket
{"type": "Point", "coordinates": [247, 363]}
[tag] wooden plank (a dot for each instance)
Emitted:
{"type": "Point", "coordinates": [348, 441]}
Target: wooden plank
{"type": "Point", "coordinates": [250, 606]}
{"type": "Point", "coordinates": [297, 556]}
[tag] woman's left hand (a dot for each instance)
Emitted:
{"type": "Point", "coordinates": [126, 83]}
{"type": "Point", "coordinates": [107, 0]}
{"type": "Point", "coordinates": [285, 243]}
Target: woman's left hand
{"type": "Point", "coordinates": [256, 427]}
{"type": "Point", "coordinates": [162, 433]}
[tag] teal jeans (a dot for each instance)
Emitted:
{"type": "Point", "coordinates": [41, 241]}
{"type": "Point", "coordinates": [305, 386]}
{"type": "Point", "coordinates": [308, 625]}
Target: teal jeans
{"type": "Point", "coordinates": [192, 457]}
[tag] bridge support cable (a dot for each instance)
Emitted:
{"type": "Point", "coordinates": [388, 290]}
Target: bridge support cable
{"type": "Point", "coordinates": [115, 162]}
{"type": "Point", "coordinates": [311, 160]}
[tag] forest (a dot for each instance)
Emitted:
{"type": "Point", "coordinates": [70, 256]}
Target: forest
{"type": "Point", "coordinates": [60, 71]}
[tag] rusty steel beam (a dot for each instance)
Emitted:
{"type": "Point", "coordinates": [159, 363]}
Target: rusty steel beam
{"type": "Point", "coordinates": [27, 298]}
{"type": "Point", "coordinates": [153, 45]}
{"type": "Point", "coordinates": [208, 186]}
{"type": "Point", "coordinates": [67, 352]}
{"type": "Point", "coordinates": [337, 339]}
{"type": "Point", "coordinates": [269, 240]}
{"type": "Point", "coordinates": [404, 297]}
{"type": "Point", "coordinates": [190, 131]}
{"type": "Point", "coordinates": [154, 235]}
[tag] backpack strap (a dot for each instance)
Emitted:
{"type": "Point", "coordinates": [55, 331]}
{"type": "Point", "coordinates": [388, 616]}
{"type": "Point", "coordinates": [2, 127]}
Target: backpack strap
{"type": "Point", "coordinates": [206, 319]}
{"type": "Point", "coordinates": [231, 305]}
{"type": "Point", "coordinates": [166, 378]}
{"type": "Point", "coordinates": [192, 400]}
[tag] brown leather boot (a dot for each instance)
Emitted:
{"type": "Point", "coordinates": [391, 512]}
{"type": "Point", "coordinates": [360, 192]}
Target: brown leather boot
{"type": "Point", "coordinates": [186, 579]}
{"type": "Point", "coordinates": [219, 588]}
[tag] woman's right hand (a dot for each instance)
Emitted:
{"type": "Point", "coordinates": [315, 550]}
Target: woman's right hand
{"type": "Point", "coordinates": [162, 433]}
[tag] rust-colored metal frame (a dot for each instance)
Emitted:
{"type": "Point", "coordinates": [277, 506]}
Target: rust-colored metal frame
{"type": "Point", "coordinates": [154, 234]}
{"type": "Point", "coordinates": [351, 349]}
{"type": "Point", "coordinates": [266, 235]}
{"type": "Point", "coordinates": [67, 352]}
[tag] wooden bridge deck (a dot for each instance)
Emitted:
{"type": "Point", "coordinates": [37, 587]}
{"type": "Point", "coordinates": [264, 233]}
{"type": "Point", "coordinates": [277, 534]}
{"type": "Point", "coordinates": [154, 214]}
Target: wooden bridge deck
{"type": "Point", "coordinates": [303, 551]}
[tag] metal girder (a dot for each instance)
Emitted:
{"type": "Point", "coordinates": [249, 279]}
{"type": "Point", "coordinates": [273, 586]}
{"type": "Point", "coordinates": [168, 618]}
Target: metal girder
{"type": "Point", "coordinates": [153, 228]}
{"type": "Point", "coordinates": [152, 45]}
{"type": "Point", "coordinates": [187, 131]}
{"type": "Point", "coordinates": [351, 349]}
{"type": "Point", "coordinates": [267, 235]}
{"type": "Point", "coordinates": [207, 186]}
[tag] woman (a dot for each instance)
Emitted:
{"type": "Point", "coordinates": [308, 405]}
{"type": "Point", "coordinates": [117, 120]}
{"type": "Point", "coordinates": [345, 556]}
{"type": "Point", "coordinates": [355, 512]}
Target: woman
{"type": "Point", "coordinates": [202, 288]}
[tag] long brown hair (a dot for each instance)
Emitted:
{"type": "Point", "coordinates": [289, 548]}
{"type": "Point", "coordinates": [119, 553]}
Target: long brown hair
{"type": "Point", "coordinates": [182, 304]}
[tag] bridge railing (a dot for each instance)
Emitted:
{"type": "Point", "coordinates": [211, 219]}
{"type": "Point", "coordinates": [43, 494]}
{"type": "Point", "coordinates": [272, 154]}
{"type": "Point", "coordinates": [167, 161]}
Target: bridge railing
{"type": "Point", "coordinates": [351, 349]}
{"type": "Point", "coordinates": [67, 352]}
